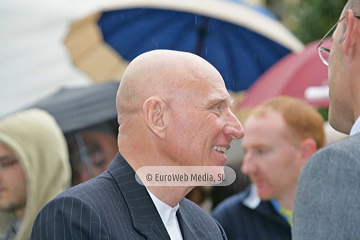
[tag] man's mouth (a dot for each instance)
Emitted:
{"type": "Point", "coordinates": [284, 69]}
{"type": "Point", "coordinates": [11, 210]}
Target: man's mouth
{"type": "Point", "coordinates": [223, 150]}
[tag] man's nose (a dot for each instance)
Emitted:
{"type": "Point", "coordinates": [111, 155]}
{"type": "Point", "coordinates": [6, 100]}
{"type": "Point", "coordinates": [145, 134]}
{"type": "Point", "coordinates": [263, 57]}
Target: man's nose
{"type": "Point", "coordinates": [233, 127]}
{"type": "Point", "coordinates": [247, 166]}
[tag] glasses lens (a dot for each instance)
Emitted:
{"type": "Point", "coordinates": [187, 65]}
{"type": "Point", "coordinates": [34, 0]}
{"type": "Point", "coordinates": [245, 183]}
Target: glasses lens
{"type": "Point", "coordinates": [324, 55]}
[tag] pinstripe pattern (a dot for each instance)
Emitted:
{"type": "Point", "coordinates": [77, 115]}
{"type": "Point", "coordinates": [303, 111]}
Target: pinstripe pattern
{"type": "Point", "coordinates": [114, 206]}
{"type": "Point", "coordinates": [196, 224]}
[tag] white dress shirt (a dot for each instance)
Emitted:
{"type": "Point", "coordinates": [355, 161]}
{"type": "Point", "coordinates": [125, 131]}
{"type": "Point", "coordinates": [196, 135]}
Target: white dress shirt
{"type": "Point", "coordinates": [356, 127]}
{"type": "Point", "coordinates": [168, 217]}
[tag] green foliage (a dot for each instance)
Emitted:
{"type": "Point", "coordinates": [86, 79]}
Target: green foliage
{"type": "Point", "coordinates": [324, 112]}
{"type": "Point", "coordinates": [313, 18]}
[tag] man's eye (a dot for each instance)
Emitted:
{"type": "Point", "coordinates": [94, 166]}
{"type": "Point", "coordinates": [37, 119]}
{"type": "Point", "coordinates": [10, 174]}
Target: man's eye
{"type": "Point", "coordinates": [99, 163]}
{"type": "Point", "coordinates": [217, 107]}
{"type": "Point", "coordinates": [260, 151]}
{"type": "Point", "coordinates": [7, 164]}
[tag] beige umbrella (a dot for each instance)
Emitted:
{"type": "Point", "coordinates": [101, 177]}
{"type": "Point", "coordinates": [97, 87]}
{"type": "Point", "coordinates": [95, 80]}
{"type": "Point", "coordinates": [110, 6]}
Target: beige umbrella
{"type": "Point", "coordinates": [91, 54]}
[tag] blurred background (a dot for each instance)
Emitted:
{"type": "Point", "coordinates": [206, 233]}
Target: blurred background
{"type": "Point", "coordinates": [60, 53]}
{"type": "Point", "coordinates": [39, 51]}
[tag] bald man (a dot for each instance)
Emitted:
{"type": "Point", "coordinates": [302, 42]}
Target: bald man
{"type": "Point", "coordinates": [173, 110]}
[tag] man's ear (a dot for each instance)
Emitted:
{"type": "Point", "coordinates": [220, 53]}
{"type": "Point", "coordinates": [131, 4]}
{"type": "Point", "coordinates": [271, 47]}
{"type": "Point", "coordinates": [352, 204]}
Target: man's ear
{"type": "Point", "coordinates": [154, 110]}
{"type": "Point", "coordinates": [351, 34]}
{"type": "Point", "coordinates": [308, 147]}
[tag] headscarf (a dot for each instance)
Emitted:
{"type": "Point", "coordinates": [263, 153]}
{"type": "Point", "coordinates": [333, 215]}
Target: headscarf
{"type": "Point", "coordinates": [40, 147]}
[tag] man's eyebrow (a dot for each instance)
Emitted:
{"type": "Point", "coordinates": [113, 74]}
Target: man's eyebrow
{"type": "Point", "coordinates": [6, 157]}
{"type": "Point", "coordinates": [213, 99]}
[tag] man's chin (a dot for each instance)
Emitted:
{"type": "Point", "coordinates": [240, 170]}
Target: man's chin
{"type": "Point", "coordinates": [264, 196]}
{"type": "Point", "coordinates": [8, 208]}
{"type": "Point", "coordinates": [4, 209]}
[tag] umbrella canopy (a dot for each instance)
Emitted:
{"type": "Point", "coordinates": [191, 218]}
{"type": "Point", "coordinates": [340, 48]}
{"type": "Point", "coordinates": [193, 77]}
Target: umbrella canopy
{"type": "Point", "coordinates": [81, 107]}
{"type": "Point", "coordinates": [239, 39]}
{"type": "Point", "coordinates": [297, 75]}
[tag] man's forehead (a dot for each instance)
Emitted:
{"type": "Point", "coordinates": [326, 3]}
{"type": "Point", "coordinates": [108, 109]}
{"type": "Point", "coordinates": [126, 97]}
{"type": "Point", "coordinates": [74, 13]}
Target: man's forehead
{"type": "Point", "coordinates": [266, 128]}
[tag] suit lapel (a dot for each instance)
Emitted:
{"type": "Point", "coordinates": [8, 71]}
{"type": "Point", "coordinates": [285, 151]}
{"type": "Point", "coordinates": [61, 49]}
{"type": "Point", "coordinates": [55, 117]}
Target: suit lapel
{"type": "Point", "coordinates": [188, 230]}
{"type": "Point", "coordinates": [193, 226]}
{"type": "Point", "coordinates": [145, 217]}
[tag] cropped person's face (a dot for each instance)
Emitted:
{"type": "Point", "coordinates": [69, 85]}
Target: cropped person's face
{"type": "Point", "coordinates": [101, 148]}
{"type": "Point", "coordinates": [12, 182]}
{"type": "Point", "coordinates": [272, 159]}
{"type": "Point", "coordinates": [201, 123]}
{"type": "Point", "coordinates": [340, 90]}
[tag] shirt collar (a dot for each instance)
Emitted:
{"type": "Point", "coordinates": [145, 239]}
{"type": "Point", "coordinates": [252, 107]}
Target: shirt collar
{"type": "Point", "coordinates": [166, 212]}
{"type": "Point", "coordinates": [252, 201]}
{"type": "Point", "coordinates": [356, 127]}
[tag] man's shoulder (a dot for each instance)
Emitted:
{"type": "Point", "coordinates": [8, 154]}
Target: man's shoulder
{"type": "Point", "coordinates": [344, 150]}
{"type": "Point", "coordinates": [91, 187]}
{"type": "Point", "coordinates": [93, 208]}
{"type": "Point", "coordinates": [330, 172]}
{"type": "Point", "coordinates": [329, 180]}
{"type": "Point", "coordinates": [95, 194]}
{"type": "Point", "coordinates": [232, 203]}
{"type": "Point", "coordinates": [346, 143]}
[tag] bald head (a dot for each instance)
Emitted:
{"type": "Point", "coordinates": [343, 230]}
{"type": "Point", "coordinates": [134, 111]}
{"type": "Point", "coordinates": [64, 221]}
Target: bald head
{"type": "Point", "coordinates": [163, 73]}
{"type": "Point", "coordinates": [174, 110]}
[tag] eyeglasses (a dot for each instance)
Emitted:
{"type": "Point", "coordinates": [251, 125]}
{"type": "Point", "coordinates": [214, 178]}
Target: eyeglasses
{"type": "Point", "coordinates": [324, 53]}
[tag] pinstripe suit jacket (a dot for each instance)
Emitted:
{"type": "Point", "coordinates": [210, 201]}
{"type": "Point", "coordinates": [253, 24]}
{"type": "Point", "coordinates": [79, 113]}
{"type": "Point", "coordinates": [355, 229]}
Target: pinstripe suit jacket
{"type": "Point", "coordinates": [114, 206]}
{"type": "Point", "coordinates": [327, 202]}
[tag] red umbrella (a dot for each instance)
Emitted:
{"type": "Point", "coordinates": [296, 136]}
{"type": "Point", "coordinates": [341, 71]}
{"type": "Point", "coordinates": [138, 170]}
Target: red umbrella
{"type": "Point", "coordinates": [301, 75]}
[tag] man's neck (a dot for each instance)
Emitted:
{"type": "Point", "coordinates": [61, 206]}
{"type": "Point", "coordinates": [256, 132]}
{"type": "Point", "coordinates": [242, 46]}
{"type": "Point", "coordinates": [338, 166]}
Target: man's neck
{"type": "Point", "coordinates": [170, 195]}
{"type": "Point", "coordinates": [287, 201]}
{"type": "Point", "coordinates": [20, 213]}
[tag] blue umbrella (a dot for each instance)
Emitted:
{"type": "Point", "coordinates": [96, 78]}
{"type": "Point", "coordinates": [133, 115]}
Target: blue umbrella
{"type": "Point", "coordinates": [242, 41]}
